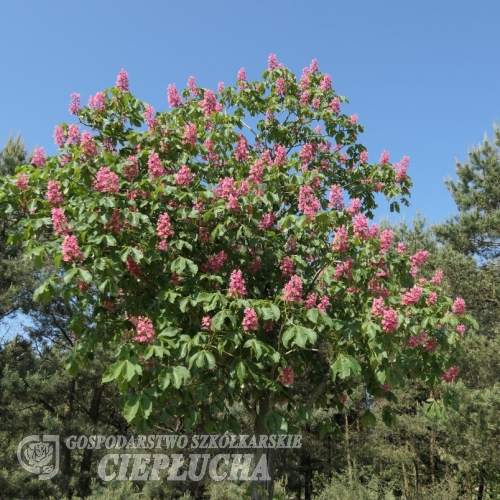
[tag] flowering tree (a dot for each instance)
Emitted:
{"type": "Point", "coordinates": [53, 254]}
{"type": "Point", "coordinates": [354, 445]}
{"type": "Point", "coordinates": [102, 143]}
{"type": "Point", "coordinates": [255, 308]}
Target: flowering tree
{"type": "Point", "coordinates": [225, 248]}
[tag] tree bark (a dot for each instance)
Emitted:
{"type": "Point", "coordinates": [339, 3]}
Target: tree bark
{"type": "Point", "coordinates": [347, 447]}
{"type": "Point", "coordinates": [85, 479]}
{"type": "Point", "coordinates": [263, 489]}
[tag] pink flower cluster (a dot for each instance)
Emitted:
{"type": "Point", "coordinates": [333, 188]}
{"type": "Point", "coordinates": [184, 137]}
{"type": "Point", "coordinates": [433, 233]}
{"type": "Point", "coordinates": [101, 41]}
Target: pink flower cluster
{"type": "Point", "coordinates": [361, 226]}
{"type": "Point", "coordinates": [450, 375]}
{"type": "Point", "coordinates": [384, 158]}
{"type": "Point", "coordinates": [22, 182]}
{"type": "Point", "coordinates": [437, 278]}
{"type": "Point", "coordinates": [193, 88]}
{"type": "Point", "coordinates": [164, 227]}
{"type": "Point", "coordinates": [190, 136]}
{"type": "Point", "coordinates": [272, 62]}
{"type": "Point", "coordinates": [267, 221]}
{"type": "Point", "coordinates": [59, 136]}
{"type": "Point", "coordinates": [54, 195]}
{"type": "Point", "coordinates": [88, 145]}
{"type": "Point", "coordinates": [385, 240]}
{"type": "Point", "coordinates": [459, 306]}
{"type": "Point", "coordinates": [336, 199]}
{"type": "Point", "coordinates": [308, 152]}
{"type": "Point", "coordinates": [122, 81]}
{"type": "Point", "coordinates": [280, 87]}
{"type": "Point", "coordinates": [73, 134]}
{"type": "Point", "coordinates": [149, 117]}
{"type": "Point", "coordinates": [241, 153]}
{"type": "Point", "coordinates": [389, 320]}
{"type": "Point", "coordinates": [209, 103]}
{"type": "Point", "coordinates": [412, 296]}
{"type": "Point", "coordinates": [312, 299]}
{"type": "Point", "coordinates": [363, 157]}
{"type": "Point", "coordinates": [155, 168]}
{"type": "Point", "coordinates": [38, 158]}
{"type": "Point", "coordinates": [431, 299]}
{"type": "Point", "coordinates": [237, 284]}
{"type": "Point", "coordinates": [215, 262]}
{"type": "Point", "coordinates": [145, 330]}
{"type": "Point", "coordinates": [183, 177]}
{"type": "Point", "coordinates": [335, 105]}
{"type": "Point", "coordinates": [131, 169]}
{"type": "Point", "coordinates": [242, 76]}
{"type": "Point", "coordinates": [59, 222]}
{"type": "Point", "coordinates": [133, 268]}
{"type": "Point", "coordinates": [256, 172]}
{"type": "Point", "coordinates": [106, 181]}
{"type": "Point", "coordinates": [304, 97]}
{"type": "Point", "coordinates": [401, 169]}
{"type": "Point", "coordinates": [308, 203]}
{"type": "Point", "coordinates": [286, 266]}
{"type": "Point", "coordinates": [326, 83]}
{"type": "Point", "coordinates": [354, 207]}
{"type": "Point", "coordinates": [71, 249]}
{"type": "Point", "coordinates": [174, 99]}
{"type": "Point", "coordinates": [340, 241]}
{"type": "Point", "coordinates": [286, 377]}
{"type": "Point", "coordinates": [98, 102]}
{"type": "Point", "coordinates": [75, 105]}
{"type": "Point", "coordinates": [279, 155]}
{"type": "Point", "coordinates": [401, 248]}
{"type": "Point", "coordinates": [293, 290]}
{"type": "Point", "coordinates": [250, 320]}
{"type": "Point", "coordinates": [206, 323]}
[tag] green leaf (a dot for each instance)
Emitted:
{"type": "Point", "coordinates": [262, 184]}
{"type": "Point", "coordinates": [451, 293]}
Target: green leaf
{"type": "Point", "coordinates": [241, 371]}
{"type": "Point", "coordinates": [68, 277]}
{"type": "Point", "coordinates": [312, 315]}
{"type": "Point", "coordinates": [368, 419]}
{"type": "Point", "coordinates": [164, 379]}
{"type": "Point", "coordinates": [178, 265]}
{"type": "Point", "coordinates": [131, 407]}
{"type": "Point", "coordinates": [128, 371]}
{"type": "Point", "coordinates": [276, 423]}
{"type": "Point", "coordinates": [146, 406]}
{"type": "Point", "coordinates": [179, 373]}
{"type": "Point", "coordinates": [85, 275]}
{"type": "Point", "coordinates": [112, 372]}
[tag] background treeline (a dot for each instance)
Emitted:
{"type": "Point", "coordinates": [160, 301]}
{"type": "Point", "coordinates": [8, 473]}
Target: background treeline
{"type": "Point", "coordinates": [427, 453]}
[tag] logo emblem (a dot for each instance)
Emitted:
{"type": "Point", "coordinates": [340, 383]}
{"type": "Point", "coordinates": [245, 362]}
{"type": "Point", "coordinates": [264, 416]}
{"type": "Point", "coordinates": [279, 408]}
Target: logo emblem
{"type": "Point", "coordinates": [39, 456]}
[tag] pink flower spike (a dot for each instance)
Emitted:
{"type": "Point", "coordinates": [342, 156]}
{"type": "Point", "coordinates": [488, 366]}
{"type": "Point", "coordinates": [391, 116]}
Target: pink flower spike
{"type": "Point", "coordinates": [174, 99]}
{"type": "Point", "coordinates": [145, 330]}
{"type": "Point", "coordinates": [236, 284]}
{"type": "Point", "coordinates": [286, 377]}
{"type": "Point", "coordinates": [38, 158]}
{"type": "Point", "coordinates": [122, 81]}
{"type": "Point", "coordinates": [459, 306]}
{"type": "Point", "coordinates": [71, 249]}
{"type": "Point", "coordinates": [293, 290]}
{"type": "Point", "coordinates": [183, 177]}
{"type": "Point", "coordinates": [250, 321]}
{"type": "Point", "coordinates": [75, 105]}
{"type": "Point", "coordinates": [242, 76]}
{"type": "Point", "coordinates": [272, 62]}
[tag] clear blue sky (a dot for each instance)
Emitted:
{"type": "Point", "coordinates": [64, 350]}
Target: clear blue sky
{"type": "Point", "coordinates": [422, 75]}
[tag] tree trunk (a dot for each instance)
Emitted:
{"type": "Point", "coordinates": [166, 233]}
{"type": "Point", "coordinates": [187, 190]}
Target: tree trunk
{"type": "Point", "coordinates": [263, 488]}
{"type": "Point", "coordinates": [347, 448]}
{"type": "Point", "coordinates": [480, 491]}
{"type": "Point", "coordinates": [405, 480]}
{"type": "Point", "coordinates": [85, 479]}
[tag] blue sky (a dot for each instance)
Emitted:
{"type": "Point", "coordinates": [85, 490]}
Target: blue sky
{"type": "Point", "coordinates": [422, 76]}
